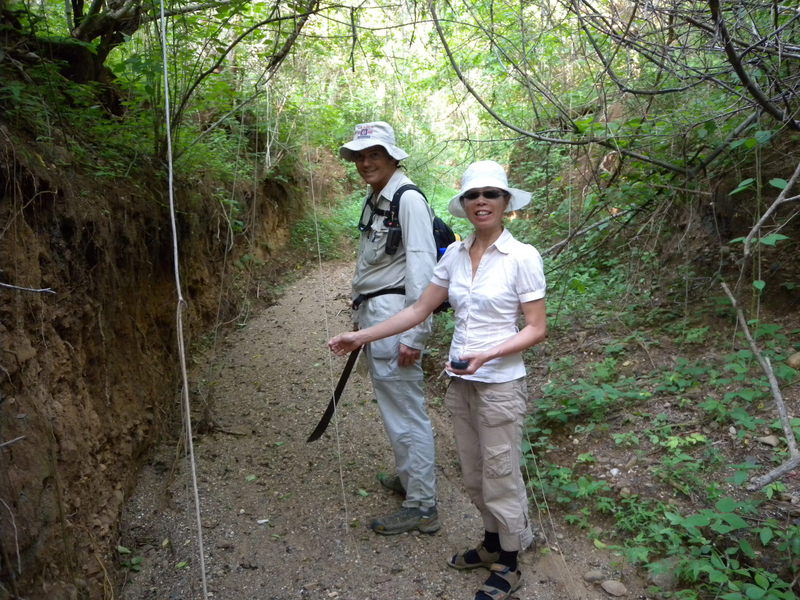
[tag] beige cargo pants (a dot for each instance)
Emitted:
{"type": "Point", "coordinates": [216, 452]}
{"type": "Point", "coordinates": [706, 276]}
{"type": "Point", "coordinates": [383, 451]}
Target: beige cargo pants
{"type": "Point", "coordinates": [487, 423]}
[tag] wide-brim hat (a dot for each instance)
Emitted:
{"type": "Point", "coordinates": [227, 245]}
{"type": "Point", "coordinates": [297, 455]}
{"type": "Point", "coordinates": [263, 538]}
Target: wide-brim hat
{"type": "Point", "coordinates": [367, 135]}
{"type": "Point", "coordinates": [483, 174]}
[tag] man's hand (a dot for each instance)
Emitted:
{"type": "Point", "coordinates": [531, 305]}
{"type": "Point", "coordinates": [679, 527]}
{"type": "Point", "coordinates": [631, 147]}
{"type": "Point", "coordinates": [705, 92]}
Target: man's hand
{"type": "Point", "coordinates": [344, 343]}
{"type": "Point", "coordinates": [408, 356]}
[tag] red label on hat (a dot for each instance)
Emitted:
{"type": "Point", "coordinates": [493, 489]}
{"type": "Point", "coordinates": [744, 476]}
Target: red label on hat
{"type": "Point", "coordinates": [364, 132]}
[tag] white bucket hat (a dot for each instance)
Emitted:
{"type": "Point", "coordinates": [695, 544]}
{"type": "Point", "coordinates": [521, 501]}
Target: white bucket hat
{"type": "Point", "coordinates": [487, 173]}
{"type": "Point", "coordinates": [367, 135]}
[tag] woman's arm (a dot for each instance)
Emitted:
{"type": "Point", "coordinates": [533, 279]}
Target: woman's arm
{"type": "Point", "coordinates": [535, 331]}
{"type": "Point", "coordinates": [407, 318]}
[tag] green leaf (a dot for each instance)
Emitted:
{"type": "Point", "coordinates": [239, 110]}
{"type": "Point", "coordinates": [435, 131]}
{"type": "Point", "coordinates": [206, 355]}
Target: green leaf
{"type": "Point", "coordinates": [759, 285]}
{"type": "Point", "coordinates": [362, 492]}
{"type": "Point", "coordinates": [747, 549]}
{"type": "Point", "coordinates": [696, 521]}
{"type": "Point", "coordinates": [763, 136]}
{"type": "Point", "coordinates": [123, 550]}
{"type": "Point", "coordinates": [778, 183]}
{"type": "Point", "coordinates": [726, 504]}
{"type": "Point", "coordinates": [743, 185]}
{"type": "Point", "coordinates": [761, 581]}
{"type": "Point", "coordinates": [250, 478]}
{"type": "Point", "coordinates": [754, 592]}
{"type": "Point", "coordinates": [765, 534]}
{"type": "Point", "coordinates": [772, 239]}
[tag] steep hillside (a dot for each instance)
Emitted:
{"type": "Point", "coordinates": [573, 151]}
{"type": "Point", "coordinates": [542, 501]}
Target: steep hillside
{"type": "Point", "coordinates": [89, 360]}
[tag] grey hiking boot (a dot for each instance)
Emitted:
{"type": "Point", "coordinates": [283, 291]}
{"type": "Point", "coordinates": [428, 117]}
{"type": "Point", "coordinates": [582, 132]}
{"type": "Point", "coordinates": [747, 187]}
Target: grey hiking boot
{"type": "Point", "coordinates": [391, 482]}
{"type": "Point", "coordinates": [426, 520]}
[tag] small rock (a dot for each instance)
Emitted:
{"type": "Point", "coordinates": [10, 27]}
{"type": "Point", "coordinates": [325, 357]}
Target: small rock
{"type": "Point", "coordinates": [664, 574]}
{"type": "Point", "coordinates": [732, 431]}
{"type": "Point", "coordinates": [794, 360]}
{"type": "Point", "coordinates": [625, 492]}
{"type": "Point", "coordinates": [593, 576]}
{"type": "Point", "coordinates": [613, 587]}
{"type": "Point", "coordinates": [769, 440]}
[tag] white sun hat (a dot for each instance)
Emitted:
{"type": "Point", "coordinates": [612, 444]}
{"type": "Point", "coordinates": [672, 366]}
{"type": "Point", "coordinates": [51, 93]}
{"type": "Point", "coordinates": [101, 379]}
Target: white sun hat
{"type": "Point", "coordinates": [482, 174]}
{"type": "Point", "coordinates": [367, 135]}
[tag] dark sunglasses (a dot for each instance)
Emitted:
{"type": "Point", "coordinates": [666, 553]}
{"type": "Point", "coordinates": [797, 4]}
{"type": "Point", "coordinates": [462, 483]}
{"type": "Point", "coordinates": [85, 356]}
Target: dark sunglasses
{"type": "Point", "coordinates": [490, 194]}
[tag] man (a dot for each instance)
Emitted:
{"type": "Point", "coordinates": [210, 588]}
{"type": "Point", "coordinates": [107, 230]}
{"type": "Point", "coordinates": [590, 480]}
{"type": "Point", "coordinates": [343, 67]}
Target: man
{"type": "Point", "coordinates": [392, 269]}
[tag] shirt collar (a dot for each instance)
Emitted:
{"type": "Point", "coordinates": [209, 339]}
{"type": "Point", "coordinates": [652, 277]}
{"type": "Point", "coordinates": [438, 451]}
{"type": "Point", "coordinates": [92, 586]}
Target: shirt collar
{"type": "Point", "coordinates": [503, 243]}
{"type": "Point", "coordinates": [395, 181]}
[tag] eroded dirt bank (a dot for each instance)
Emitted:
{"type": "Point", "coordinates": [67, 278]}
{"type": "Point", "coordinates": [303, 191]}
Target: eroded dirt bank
{"type": "Point", "coordinates": [87, 369]}
{"type": "Point", "coordinates": [284, 519]}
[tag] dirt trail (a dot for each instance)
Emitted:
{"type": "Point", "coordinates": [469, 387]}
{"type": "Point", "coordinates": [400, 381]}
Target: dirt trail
{"type": "Point", "coordinates": [283, 519]}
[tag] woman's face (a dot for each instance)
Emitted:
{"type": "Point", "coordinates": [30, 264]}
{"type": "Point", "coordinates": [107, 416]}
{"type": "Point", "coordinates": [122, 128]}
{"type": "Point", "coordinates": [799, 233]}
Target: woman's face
{"type": "Point", "coordinates": [375, 166]}
{"type": "Point", "coordinates": [485, 206]}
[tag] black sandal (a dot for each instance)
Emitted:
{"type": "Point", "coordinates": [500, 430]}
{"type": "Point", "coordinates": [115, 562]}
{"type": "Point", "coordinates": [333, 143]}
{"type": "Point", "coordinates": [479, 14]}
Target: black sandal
{"type": "Point", "coordinates": [501, 583]}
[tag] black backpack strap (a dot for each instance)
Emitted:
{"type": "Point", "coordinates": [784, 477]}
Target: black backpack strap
{"type": "Point", "coordinates": [375, 210]}
{"type": "Point", "coordinates": [394, 205]}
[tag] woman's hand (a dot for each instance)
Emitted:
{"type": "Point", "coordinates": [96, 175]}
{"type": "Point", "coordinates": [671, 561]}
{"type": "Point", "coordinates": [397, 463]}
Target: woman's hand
{"type": "Point", "coordinates": [344, 343]}
{"type": "Point", "coordinates": [473, 364]}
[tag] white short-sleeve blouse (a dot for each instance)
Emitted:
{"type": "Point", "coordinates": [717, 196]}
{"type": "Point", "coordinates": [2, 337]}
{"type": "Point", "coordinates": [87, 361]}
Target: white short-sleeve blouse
{"type": "Point", "coordinates": [487, 306]}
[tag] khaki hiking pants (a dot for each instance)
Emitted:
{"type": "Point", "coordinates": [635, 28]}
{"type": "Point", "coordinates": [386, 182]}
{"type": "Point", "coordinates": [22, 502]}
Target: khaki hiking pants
{"type": "Point", "coordinates": [487, 422]}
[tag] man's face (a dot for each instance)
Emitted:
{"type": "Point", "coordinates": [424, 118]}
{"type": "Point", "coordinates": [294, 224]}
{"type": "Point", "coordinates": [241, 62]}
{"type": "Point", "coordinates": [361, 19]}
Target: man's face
{"type": "Point", "coordinates": [375, 166]}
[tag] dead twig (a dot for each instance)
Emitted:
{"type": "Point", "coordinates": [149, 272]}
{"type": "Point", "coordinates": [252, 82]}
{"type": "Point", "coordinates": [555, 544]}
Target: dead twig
{"type": "Point", "coordinates": [24, 289]}
{"type": "Point", "coordinates": [791, 442]}
{"type": "Point", "coordinates": [9, 442]}
{"type": "Point", "coordinates": [16, 540]}
{"type": "Point", "coordinates": [781, 199]}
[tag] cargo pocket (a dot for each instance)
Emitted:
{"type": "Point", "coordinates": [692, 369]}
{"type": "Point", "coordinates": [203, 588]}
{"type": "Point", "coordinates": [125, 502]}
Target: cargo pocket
{"type": "Point", "coordinates": [497, 461]}
{"type": "Point", "coordinates": [503, 407]}
{"type": "Point", "coordinates": [384, 357]}
{"type": "Point", "coordinates": [374, 251]}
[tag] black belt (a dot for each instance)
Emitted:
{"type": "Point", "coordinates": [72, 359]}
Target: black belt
{"type": "Point", "coordinates": [359, 300]}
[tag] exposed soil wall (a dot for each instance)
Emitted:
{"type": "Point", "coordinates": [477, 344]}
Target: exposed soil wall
{"type": "Point", "coordinates": [89, 373]}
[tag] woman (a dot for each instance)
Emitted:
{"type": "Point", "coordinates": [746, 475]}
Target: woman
{"type": "Point", "coordinates": [491, 279]}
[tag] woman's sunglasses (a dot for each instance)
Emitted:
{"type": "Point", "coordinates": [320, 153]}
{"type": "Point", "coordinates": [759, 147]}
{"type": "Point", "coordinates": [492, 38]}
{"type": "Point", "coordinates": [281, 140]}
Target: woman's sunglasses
{"type": "Point", "coordinates": [490, 194]}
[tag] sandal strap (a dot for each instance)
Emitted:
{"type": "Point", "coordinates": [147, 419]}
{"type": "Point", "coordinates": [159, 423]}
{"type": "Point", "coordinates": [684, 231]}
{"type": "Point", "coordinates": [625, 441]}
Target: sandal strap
{"type": "Point", "coordinates": [486, 558]}
{"type": "Point", "coordinates": [513, 578]}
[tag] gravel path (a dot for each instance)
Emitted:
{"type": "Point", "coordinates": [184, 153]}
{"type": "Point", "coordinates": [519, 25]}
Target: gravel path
{"type": "Point", "coordinates": [283, 519]}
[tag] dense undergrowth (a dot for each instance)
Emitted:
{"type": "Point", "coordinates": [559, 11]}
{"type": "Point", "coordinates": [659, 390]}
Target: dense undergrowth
{"type": "Point", "coordinates": [647, 437]}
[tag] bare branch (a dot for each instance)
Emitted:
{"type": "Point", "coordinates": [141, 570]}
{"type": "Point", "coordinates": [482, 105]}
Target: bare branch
{"type": "Point", "coordinates": [300, 20]}
{"type": "Point", "coordinates": [24, 289]}
{"type": "Point", "coordinates": [748, 83]}
{"type": "Point", "coordinates": [16, 536]}
{"type": "Point", "coordinates": [791, 442]}
{"type": "Point", "coordinates": [9, 442]}
{"type": "Point", "coordinates": [585, 230]}
{"type": "Point", "coordinates": [607, 143]}
{"type": "Point", "coordinates": [781, 199]}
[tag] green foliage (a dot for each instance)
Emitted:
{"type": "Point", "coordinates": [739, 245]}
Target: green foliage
{"type": "Point", "coordinates": [716, 550]}
{"type": "Point", "coordinates": [128, 560]}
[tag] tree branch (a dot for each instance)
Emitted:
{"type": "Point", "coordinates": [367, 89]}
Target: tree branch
{"type": "Point", "coordinates": [791, 442]}
{"type": "Point", "coordinates": [781, 199]}
{"type": "Point", "coordinates": [24, 289]}
{"type": "Point", "coordinates": [607, 143]}
{"type": "Point", "coordinates": [276, 59]}
{"type": "Point", "coordinates": [748, 83]}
